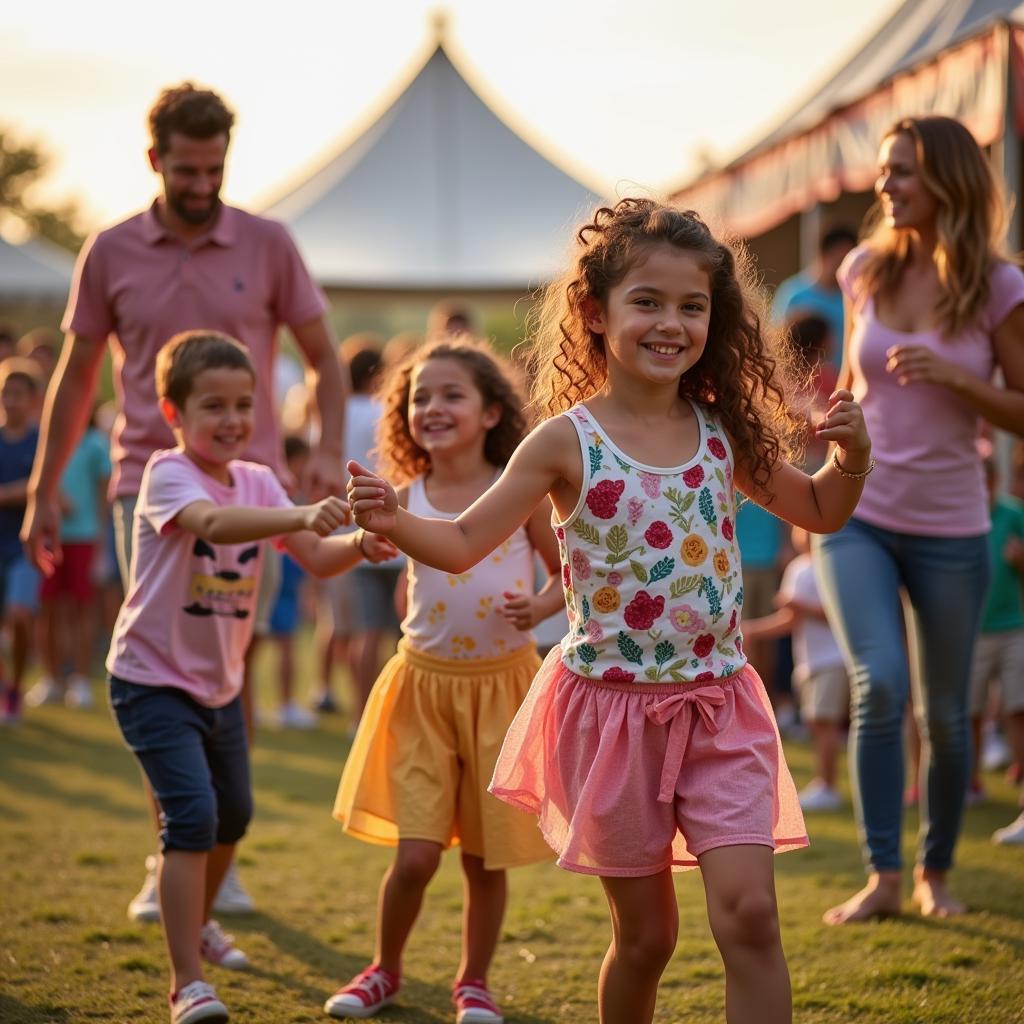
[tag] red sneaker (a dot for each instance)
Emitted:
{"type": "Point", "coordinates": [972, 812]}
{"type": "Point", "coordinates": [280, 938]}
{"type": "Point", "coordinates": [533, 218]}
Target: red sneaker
{"type": "Point", "coordinates": [474, 1003]}
{"type": "Point", "coordinates": [364, 995]}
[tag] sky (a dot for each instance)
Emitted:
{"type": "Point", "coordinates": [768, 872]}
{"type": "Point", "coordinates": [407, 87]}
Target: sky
{"type": "Point", "coordinates": [620, 92]}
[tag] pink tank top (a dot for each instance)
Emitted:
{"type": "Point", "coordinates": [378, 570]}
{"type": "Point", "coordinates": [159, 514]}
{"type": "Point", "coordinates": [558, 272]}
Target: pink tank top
{"type": "Point", "coordinates": [457, 616]}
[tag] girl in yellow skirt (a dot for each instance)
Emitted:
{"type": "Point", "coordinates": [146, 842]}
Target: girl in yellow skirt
{"type": "Point", "coordinates": [427, 744]}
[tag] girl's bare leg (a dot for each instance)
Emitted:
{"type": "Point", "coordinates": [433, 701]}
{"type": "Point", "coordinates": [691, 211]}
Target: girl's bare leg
{"type": "Point", "coordinates": [486, 893]}
{"type": "Point", "coordinates": [739, 883]}
{"type": "Point", "coordinates": [401, 896]}
{"type": "Point", "coordinates": [645, 926]}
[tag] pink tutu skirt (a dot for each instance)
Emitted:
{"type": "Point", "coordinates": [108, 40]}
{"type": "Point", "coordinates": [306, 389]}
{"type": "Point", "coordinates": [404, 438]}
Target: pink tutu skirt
{"type": "Point", "coordinates": [631, 778]}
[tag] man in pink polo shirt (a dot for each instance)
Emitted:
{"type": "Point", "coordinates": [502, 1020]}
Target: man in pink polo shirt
{"type": "Point", "coordinates": [189, 261]}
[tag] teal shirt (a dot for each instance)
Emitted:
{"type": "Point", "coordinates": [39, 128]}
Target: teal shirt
{"type": "Point", "coordinates": [800, 295]}
{"type": "Point", "coordinates": [1004, 608]}
{"type": "Point", "coordinates": [88, 467]}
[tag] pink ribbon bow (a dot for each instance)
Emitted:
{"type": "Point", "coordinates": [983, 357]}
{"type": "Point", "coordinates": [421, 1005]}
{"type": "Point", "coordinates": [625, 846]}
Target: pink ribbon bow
{"type": "Point", "coordinates": [677, 709]}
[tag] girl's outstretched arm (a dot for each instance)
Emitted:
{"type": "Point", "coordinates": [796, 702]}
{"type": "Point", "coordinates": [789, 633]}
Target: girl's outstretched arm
{"type": "Point", "coordinates": [823, 502]}
{"type": "Point", "coordinates": [536, 468]}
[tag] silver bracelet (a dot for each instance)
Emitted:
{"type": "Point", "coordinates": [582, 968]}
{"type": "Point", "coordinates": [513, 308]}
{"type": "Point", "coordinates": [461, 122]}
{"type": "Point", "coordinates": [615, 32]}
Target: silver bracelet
{"type": "Point", "coordinates": [845, 472]}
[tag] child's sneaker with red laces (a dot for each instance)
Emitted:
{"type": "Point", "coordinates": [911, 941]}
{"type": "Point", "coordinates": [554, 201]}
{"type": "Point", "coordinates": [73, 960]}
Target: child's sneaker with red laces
{"type": "Point", "coordinates": [220, 949]}
{"type": "Point", "coordinates": [197, 1002]}
{"type": "Point", "coordinates": [474, 1004]}
{"type": "Point", "coordinates": [364, 995]}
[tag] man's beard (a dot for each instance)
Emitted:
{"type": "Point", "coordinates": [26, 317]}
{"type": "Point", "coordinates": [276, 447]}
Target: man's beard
{"type": "Point", "coordinates": [193, 215]}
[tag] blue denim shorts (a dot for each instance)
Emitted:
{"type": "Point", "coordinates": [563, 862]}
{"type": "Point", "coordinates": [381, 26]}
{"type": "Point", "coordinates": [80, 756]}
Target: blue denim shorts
{"type": "Point", "coordinates": [196, 759]}
{"type": "Point", "coordinates": [19, 583]}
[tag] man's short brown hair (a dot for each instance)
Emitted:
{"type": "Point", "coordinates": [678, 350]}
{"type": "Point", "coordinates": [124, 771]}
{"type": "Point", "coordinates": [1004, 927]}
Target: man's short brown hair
{"type": "Point", "coordinates": [197, 113]}
{"type": "Point", "coordinates": [187, 354]}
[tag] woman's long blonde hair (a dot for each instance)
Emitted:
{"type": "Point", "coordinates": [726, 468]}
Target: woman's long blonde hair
{"type": "Point", "coordinates": [970, 223]}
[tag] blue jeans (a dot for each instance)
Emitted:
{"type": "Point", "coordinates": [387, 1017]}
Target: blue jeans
{"type": "Point", "coordinates": [861, 571]}
{"type": "Point", "coordinates": [196, 759]}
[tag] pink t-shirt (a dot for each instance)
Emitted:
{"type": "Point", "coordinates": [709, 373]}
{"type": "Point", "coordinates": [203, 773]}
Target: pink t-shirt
{"type": "Point", "coordinates": [928, 479]}
{"type": "Point", "coordinates": [187, 620]}
{"type": "Point", "coordinates": [138, 285]}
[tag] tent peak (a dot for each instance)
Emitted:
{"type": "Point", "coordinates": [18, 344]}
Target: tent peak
{"type": "Point", "coordinates": [440, 20]}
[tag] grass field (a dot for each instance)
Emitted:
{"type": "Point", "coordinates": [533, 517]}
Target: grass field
{"type": "Point", "coordinates": [74, 833]}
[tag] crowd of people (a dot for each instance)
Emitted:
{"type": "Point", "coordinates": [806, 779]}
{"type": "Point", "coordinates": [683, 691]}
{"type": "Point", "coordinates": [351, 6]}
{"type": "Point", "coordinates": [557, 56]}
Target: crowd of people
{"type": "Point", "coordinates": [718, 503]}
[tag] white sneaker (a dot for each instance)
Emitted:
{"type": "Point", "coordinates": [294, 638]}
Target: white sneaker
{"type": "Point", "coordinates": [197, 1002]}
{"type": "Point", "coordinates": [816, 796]}
{"type": "Point", "coordinates": [146, 905]}
{"type": "Point", "coordinates": [220, 949]}
{"type": "Point", "coordinates": [232, 898]}
{"type": "Point", "coordinates": [995, 751]}
{"type": "Point", "coordinates": [79, 692]}
{"type": "Point", "coordinates": [46, 691]}
{"type": "Point", "coordinates": [291, 716]}
{"type": "Point", "coordinates": [1012, 834]}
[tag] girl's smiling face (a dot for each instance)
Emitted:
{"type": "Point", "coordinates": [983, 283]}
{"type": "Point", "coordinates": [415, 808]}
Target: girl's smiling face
{"type": "Point", "coordinates": [446, 410]}
{"type": "Point", "coordinates": [655, 320]}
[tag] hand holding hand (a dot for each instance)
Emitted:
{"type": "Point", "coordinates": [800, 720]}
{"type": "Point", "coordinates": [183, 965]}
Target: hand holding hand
{"type": "Point", "coordinates": [520, 610]}
{"type": "Point", "coordinates": [326, 516]}
{"type": "Point", "coordinates": [374, 501]}
{"type": "Point", "coordinates": [376, 548]}
{"type": "Point", "coordinates": [918, 364]}
{"type": "Point", "coordinates": [843, 424]}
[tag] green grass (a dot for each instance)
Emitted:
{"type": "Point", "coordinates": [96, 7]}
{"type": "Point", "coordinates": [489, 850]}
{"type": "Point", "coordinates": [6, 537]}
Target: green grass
{"type": "Point", "coordinates": [74, 831]}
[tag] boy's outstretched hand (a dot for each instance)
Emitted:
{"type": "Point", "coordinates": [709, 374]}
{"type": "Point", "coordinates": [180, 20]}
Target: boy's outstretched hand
{"type": "Point", "coordinates": [374, 501]}
{"type": "Point", "coordinates": [375, 548]}
{"type": "Point", "coordinates": [326, 516]}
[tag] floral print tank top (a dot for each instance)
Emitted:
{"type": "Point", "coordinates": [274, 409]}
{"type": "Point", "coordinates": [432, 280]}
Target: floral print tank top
{"type": "Point", "coordinates": [650, 563]}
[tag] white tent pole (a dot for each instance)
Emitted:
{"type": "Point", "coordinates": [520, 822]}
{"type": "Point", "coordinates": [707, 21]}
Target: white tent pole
{"type": "Point", "coordinates": [1006, 151]}
{"type": "Point", "coordinates": [810, 234]}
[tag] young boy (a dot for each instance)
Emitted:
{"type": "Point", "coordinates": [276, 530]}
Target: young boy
{"type": "Point", "coordinates": [999, 648]}
{"type": "Point", "coordinates": [19, 582]}
{"type": "Point", "coordinates": [818, 672]}
{"type": "Point", "coordinates": [287, 610]}
{"type": "Point", "coordinates": [176, 657]}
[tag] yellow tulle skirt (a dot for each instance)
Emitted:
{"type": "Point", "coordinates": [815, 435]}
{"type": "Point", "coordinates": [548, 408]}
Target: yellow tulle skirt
{"type": "Point", "coordinates": [424, 753]}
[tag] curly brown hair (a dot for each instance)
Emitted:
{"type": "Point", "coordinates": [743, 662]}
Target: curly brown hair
{"type": "Point", "coordinates": [747, 372]}
{"type": "Point", "coordinates": [400, 458]}
{"type": "Point", "coordinates": [197, 113]}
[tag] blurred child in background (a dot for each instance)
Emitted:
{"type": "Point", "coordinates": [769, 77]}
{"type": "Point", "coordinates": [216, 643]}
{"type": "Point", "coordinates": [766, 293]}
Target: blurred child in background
{"type": "Point", "coordinates": [69, 620]}
{"type": "Point", "coordinates": [818, 672]}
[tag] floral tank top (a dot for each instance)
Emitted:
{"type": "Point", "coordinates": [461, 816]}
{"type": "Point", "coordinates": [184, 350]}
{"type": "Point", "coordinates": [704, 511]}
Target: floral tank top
{"type": "Point", "coordinates": [459, 615]}
{"type": "Point", "coordinates": [650, 563]}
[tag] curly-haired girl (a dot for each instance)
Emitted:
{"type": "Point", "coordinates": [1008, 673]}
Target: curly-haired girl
{"type": "Point", "coordinates": [430, 735]}
{"type": "Point", "coordinates": [646, 741]}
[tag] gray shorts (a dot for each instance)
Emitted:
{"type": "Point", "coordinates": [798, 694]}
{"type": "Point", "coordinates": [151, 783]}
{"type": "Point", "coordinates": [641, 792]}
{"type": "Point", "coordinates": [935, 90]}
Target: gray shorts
{"type": "Point", "coordinates": [999, 659]}
{"type": "Point", "coordinates": [374, 599]}
{"type": "Point", "coordinates": [824, 695]}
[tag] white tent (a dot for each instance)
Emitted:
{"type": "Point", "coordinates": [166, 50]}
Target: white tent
{"type": "Point", "coordinates": [438, 194]}
{"type": "Point", "coordinates": [34, 271]}
{"type": "Point", "coordinates": [961, 58]}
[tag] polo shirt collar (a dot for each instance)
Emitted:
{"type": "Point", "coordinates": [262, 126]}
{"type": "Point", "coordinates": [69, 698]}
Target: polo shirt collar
{"type": "Point", "coordinates": [224, 233]}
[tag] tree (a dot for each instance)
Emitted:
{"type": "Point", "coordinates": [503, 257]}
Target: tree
{"type": "Point", "coordinates": [22, 165]}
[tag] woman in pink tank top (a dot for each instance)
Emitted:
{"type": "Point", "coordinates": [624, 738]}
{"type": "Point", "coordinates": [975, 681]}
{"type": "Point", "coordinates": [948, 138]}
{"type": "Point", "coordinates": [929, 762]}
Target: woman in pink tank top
{"type": "Point", "coordinates": [934, 307]}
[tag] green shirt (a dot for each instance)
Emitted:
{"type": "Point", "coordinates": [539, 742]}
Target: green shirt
{"type": "Point", "coordinates": [1004, 608]}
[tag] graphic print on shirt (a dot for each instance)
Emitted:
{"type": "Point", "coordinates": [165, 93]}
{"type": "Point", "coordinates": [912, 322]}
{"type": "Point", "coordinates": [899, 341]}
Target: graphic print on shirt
{"type": "Point", "coordinates": [650, 564]}
{"type": "Point", "coordinates": [222, 591]}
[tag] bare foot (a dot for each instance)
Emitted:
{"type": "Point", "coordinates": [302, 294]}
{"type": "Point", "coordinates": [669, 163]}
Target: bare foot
{"type": "Point", "coordinates": [932, 896]}
{"type": "Point", "coordinates": [879, 898]}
